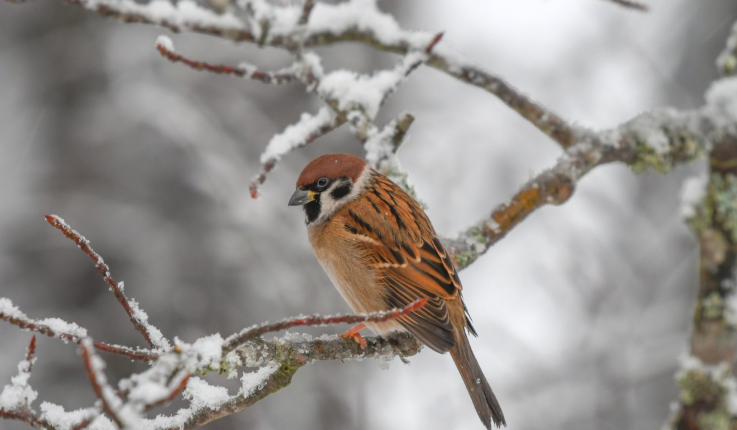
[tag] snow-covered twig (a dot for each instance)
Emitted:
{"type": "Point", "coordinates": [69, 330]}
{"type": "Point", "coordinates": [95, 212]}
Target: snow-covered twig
{"type": "Point", "coordinates": [298, 350]}
{"type": "Point", "coordinates": [708, 387]}
{"type": "Point", "coordinates": [352, 21]}
{"type": "Point", "coordinates": [352, 97]}
{"type": "Point", "coordinates": [28, 417]}
{"type": "Point", "coordinates": [659, 139]}
{"type": "Point", "coordinates": [138, 317]}
{"type": "Point", "coordinates": [305, 131]}
{"type": "Point", "coordinates": [178, 388]}
{"type": "Point", "coordinates": [181, 16]}
{"type": "Point", "coordinates": [17, 397]}
{"type": "Point", "coordinates": [112, 405]}
{"type": "Point", "coordinates": [65, 331]}
{"type": "Point", "coordinates": [236, 340]}
{"type": "Point", "coordinates": [30, 352]}
{"type": "Point", "coordinates": [280, 359]}
{"type": "Point", "coordinates": [165, 46]}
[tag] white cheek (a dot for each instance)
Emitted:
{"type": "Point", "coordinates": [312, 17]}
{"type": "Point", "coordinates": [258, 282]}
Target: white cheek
{"type": "Point", "coordinates": [328, 205]}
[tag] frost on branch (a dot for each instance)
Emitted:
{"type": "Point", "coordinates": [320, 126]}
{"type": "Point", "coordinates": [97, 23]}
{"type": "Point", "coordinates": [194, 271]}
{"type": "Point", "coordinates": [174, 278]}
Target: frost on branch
{"type": "Point", "coordinates": [660, 139]}
{"type": "Point", "coordinates": [138, 317]}
{"type": "Point", "coordinates": [53, 327]}
{"type": "Point", "coordinates": [350, 96]}
{"type": "Point", "coordinates": [19, 394]}
{"type": "Point", "coordinates": [169, 372]}
{"type": "Point", "coordinates": [309, 128]}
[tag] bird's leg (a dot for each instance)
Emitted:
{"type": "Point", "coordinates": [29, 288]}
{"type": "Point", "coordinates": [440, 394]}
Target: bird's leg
{"type": "Point", "coordinates": [355, 334]}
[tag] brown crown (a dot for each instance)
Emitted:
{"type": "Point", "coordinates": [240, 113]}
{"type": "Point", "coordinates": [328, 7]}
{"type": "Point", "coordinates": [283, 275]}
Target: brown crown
{"type": "Point", "coordinates": [332, 166]}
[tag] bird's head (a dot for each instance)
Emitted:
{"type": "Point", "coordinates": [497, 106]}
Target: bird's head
{"type": "Point", "coordinates": [327, 183]}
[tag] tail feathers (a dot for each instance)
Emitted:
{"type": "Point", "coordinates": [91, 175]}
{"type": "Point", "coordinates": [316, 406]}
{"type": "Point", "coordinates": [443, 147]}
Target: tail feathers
{"type": "Point", "coordinates": [478, 388]}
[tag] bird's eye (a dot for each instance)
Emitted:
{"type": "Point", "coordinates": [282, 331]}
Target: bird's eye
{"type": "Point", "coordinates": [322, 182]}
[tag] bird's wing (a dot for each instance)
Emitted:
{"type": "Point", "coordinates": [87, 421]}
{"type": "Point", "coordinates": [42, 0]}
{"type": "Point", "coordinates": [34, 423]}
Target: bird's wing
{"type": "Point", "coordinates": [399, 243]}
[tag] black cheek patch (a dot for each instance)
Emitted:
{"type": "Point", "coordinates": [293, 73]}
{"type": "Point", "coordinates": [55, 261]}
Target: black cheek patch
{"type": "Point", "coordinates": [341, 191]}
{"type": "Point", "coordinates": [312, 209]}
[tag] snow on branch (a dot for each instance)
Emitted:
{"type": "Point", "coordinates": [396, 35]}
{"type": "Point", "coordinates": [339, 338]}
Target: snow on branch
{"type": "Point", "coordinates": [234, 341]}
{"type": "Point", "coordinates": [294, 27]}
{"type": "Point", "coordinates": [169, 372]}
{"type": "Point", "coordinates": [138, 317]}
{"type": "Point", "coordinates": [298, 350]}
{"type": "Point", "coordinates": [658, 140]}
{"type": "Point", "coordinates": [65, 331]}
{"type": "Point", "coordinates": [179, 16]}
{"type": "Point", "coordinates": [165, 46]}
{"type": "Point", "coordinates": [19, 395]}
{"type": "Point", "coordinates": [112, 404]}
{"type": "Point", "coordinates": [706, 380]}
{"type": "Point", "coordinates": [305, 131]}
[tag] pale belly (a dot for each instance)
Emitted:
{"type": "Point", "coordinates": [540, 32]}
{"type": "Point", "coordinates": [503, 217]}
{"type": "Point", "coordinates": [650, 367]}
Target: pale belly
{"type": "Point", "coordinates": [358, 287]}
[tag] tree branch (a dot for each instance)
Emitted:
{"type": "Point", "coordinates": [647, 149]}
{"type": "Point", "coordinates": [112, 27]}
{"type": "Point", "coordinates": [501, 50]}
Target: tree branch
{"type": "Point", "coordinates": [660, 140]}
{"type": "Point", "coordinates": [151, 334]}
{"type": "Point", "coordinates": [706, 379]}
{"type": "Point", "coordinates": [303, 349]}
{"type": "Point", "coordinates": [363, 27]}
{"type": "Point", "coordinates": [28, 417]}
{"type": "Point", "coordinates": [317, 320]}
{"type": "Point", "coordinates": [632, 5]}
{"type": "Point", "coordinates": [67, 332]}
{"type": "Point", "coordinates": [165, 46]}
{"type": "Point", "coordinates": [291, 354]}
{"type": "Point", "coordinates": [94, 366]}
{"type": "Point", "coordinates": [299, 135]}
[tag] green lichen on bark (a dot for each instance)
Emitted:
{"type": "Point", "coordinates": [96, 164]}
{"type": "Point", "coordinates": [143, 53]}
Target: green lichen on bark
{"type": "Point", "coordinates": [705, 392]}
{"type": "Point", "coordinates": [681, 146]}
{"type": "Point", "coordinates": [727, 61]}
{"type": "Point", "coordinates": [697, 385]}
{"type": "Point", "coordinates": [712, 306]}
{"type": "Point", "coordinates": [723, 188]}
{"type": "Point", "coordinates": [465, 258]}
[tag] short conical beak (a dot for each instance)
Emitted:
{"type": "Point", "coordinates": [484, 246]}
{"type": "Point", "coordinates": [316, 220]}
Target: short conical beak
{"type": "Point", "coordinates": [301, 197]}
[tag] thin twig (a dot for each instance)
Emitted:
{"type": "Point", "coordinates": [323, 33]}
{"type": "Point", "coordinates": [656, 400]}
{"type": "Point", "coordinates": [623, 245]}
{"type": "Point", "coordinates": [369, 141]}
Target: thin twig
{"type": "Point", "coordinates": [84, 423]}
{"type": "Point", "coordinates": [176, 24]}
{"type": "Point", "coordinates": [174, 393]}
{"type": "Point", "coordinates": [687, 134]}
{"type": "Point", "coordinates": [141, 326]}
{"type": "Point", "coordinates": [433, 42]}
{"type": "Point", "coordinates": [30, 353]}
{"type": "Point", "coordinates": [315, 320]}
{"type": "Point", "coordinates": [38, 327]}
{"type": "Point", "coordinates": [306, 11]}
{"type": "Point", "coordinates": [99, 382]}
{"type": "Point", "coordinates": [280, 77]}
{"type": "Point", "coordinates": [446, 61]}
{"type": "Point", "coordinates": [28, 417]}
{"type": "Point", "coordinates": [632, 5]}
{"type": "Point", "coordinates": [268, 165]}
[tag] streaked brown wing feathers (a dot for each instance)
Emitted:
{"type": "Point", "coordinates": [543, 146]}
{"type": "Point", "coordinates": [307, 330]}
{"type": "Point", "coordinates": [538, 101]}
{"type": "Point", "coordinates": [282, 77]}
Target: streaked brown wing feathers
{"type": "Point", "coordinates": [400, 244]}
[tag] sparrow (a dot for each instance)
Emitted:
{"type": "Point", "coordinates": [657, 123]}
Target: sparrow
{"type": "Point", "coordinates": [381, 252]}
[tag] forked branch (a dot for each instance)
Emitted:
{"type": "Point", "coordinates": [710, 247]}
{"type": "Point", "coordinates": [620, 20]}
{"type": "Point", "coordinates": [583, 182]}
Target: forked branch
{"type": "Point", "coordinates": [139, 318]}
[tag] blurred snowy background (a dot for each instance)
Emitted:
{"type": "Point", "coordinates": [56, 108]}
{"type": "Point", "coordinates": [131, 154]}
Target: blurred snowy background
{"type": "Point", "coordinates": [582, 311]}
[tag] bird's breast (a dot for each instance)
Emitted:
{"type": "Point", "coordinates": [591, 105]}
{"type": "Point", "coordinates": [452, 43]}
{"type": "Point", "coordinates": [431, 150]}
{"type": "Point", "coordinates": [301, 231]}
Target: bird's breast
{"type": "Point", "coordinates": [341, 258]}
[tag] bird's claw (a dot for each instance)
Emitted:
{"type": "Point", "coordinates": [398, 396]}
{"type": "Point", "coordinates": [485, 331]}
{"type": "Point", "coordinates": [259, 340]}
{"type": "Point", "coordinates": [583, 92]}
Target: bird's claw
{"type": "Point", "coordinates": [355, 334]}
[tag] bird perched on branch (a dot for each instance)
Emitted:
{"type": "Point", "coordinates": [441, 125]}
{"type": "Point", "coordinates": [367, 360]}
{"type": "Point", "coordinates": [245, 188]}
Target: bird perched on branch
{"type": "Point", "coordinates": [381, 252]}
